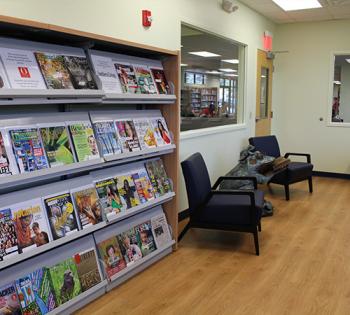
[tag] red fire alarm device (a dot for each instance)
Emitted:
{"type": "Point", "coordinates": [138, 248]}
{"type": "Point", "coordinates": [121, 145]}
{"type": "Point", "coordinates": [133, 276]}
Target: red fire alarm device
{"type": "Point", "coordinates": [146, 18]}
{"type": "Point", "coordinates": [267, 41]}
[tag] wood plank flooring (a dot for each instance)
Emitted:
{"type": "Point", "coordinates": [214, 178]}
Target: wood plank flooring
{"type": "Point", "coordinates": [303, 268]}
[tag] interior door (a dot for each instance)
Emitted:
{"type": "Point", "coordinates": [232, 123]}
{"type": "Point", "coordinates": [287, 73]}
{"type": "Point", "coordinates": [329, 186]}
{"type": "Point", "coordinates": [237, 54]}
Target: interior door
{"type": "Point", "coordinates": [263, 95]}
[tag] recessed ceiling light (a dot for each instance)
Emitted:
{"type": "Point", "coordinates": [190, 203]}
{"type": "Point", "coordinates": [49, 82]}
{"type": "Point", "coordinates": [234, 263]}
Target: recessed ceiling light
{"type": "Point", "coordinates": [234, 61]}
{"type": "Point", "coordinates": [227, 70]}
{"type": "Point", "coordinates": [213, 72]}
{"type": "Point", "coordinates": [347, 60]}
{"type": "Point", "coordinates": [291, 5]}
{"type": "Point", "coordinates": [204, 54]}
{"type": "Point", "coordinates": [184, 65]}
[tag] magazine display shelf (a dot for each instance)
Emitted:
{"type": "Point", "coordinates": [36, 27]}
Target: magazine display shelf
{"type": "Point", "coordinates": [138, 98]}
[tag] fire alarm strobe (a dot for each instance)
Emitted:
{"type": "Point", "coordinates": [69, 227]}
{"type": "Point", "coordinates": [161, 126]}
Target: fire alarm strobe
{"type": "Point", "coordinates": [146, 18]}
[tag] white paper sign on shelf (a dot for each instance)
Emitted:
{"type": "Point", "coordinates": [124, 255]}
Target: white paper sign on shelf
{"type": "Point", "coordinates": [4, 83]}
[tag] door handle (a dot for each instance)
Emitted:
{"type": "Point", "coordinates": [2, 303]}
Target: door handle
{"type": "Point", "coordinates": [257, 119]}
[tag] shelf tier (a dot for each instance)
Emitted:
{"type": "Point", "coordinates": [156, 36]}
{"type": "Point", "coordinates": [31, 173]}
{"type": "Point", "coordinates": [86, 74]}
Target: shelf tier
{"type": "Point", "coordinates": [111, 98]}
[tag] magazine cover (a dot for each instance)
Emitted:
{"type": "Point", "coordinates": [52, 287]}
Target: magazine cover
{"type": "Point", "coordinates": [80, 72]}
{"type": "Point", "coordinates": [8, 236]}
{"type": "Point", "coordinates": [30, 224]}
{"type": "Point", "coordinates": [112, 258]}
{"type": "Point", "coordinates": [61, 215]}
{"type": "Point", "coordinates": [129, 246]}
{"type": "Point", "coordinates": [144, 80]}
{"type": "Point", "coordinates": [160, 230]}
{"type": "Point", "coordinates": [28, 150]}
{"type": "Point", "coordinates": [127, 135]}
{"type": "Point", "coordinates": [107, 138]}
{"type": "Point", "coordinates": [26, 296]}
{"type": "Point", "coordinates": [88, 206]}
{"type": "Point", "coordinates": [145, 133]}
{"type": "Point", "coordinates": [127, 78]}
{"type": "Point", "coordinates": [43, 290]}
{"type": "Point", "coordinates": [57, 145]}
{"type": "Point", "coordinates": [54, 71]}
{"type": "Point", "coordinates": [7, 165]}
{"type": "Point", "coordinates": [146, 240]}
{"type": "Point", "coordinates": [127, 190]}
{"type": "Point", "coordinates": [158, 177]}
{"type": "Point", "coordinates": [9, 304]}
{"type": "Point", "coordinates": [4, 83]}
{"type": "Point", "coordinates": [143, 185]}
{"type": "Point", "coordinates": [65, 281]}
{"type": "Point", "coordinates": [84, 141]}
{"type": "Point", "coordinates": [161, 131]}
{"type": "Point", "coordinates": [160, 81]}
{"type": "Point", "coordinates": [88, 272]}
{"type": "Point", "coordinates": [111, 201]}
{"type": "Point", "coordinates": [22, 69]}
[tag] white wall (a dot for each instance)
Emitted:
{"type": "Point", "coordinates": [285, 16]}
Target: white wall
{"type": "Point", "coordinates": [122, 19]}
{"type": "Point", "coordinates": [301, 92]}
{"type": "Point", "coordinates": [344, 108]}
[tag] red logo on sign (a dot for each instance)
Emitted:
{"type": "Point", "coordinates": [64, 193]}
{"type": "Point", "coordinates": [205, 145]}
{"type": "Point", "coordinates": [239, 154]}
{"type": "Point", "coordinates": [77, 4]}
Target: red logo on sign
{"type": "Point", "coordinates": [24, 72]}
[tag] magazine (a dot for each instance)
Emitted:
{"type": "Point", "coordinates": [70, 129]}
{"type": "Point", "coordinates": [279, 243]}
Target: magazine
{"type": "Point", "coordinates": [158, 177]}
{"type": "Point", "coordinates": [113, 260]}
{"type": "Point", "coordinates": [127, 135]}
{"type": "Point", "coordinates": [8, 236]}
{"type": "Point", "coordinates": [26, 296]}
{"type": "Point", "coordinates": [9, 304]}
{"type": "Point", "coordinates": [22, 69]}
{"type": "Point", "coordinates": [146, 240]}
{"type": "Point", "coordinates": [57, 145]}
{"type": "Point", "coordinates": [107, 138]}
{"type": "Point", "coordinates": [145, 133]}
{"type": "Point", "coordinates": [129, 246]}
{"type": "Point", "coordinates": [143, 185]}
{"type": "Point", "coordinates": [80, 72]}
{"type": "Point", "coordinates": [127, 78]}
{"type": "Point", "coordinates": [54, 71]}
{"type": "Point", "coordinates": [161, 131]}
{"type": "Point", "coordinates": [43, 290]}
{"type": "Point", "coordinates": [28, 149]}
{"type": "Point", "coordinates": [160, 81]}
{"type": "Point", "coordinates": [65, 281]}
{"type": "Point", "coordinates": [107, 73]}
{"type": "Point", "coordinates": [144, 80]}
{"type": "Point", "coordinates": [127, 190]}
{"type": "Point", "coordinates": [84, 141]}
{"type": "Point", "coordinates": [30, 223]}
{"type": "Point", "coordinates": [88, 272]}
{"type": "Point", "coordinates": [7, 165]}
{"type": "Point", "coordinates": [88, 206]}
{"type": "Point", "coordinates": [111, 201]}
{"type": "Point", "coordinates": [160, 230]}
{"type": "Point", "coordinates": [61, 215]}
{"type": "Point", "coordinates": [4, 83]}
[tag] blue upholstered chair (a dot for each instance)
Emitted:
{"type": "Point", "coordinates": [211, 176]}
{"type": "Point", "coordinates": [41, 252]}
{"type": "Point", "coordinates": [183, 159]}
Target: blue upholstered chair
{"type": "Point", "coordinates": [233, 210]}
{"type": "Point", "coordinates": [295, 172]}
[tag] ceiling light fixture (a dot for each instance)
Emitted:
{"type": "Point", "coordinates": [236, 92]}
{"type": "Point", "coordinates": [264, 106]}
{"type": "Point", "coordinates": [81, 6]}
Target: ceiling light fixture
{"type": "Point", "coordinates": [227, 70]}
{"type": "Point", "coordinates": [231, 75]}
{"type": "Point", "coordinates": [205, 54]}
{"type": "Point", "coordinates": [213, 72]}
{"type": "Point", "coordinates": [293, 5]}
{"type": "Point", "coordinates": [233, 61]}
{"type": "Point", "coordinates": [347, 60]}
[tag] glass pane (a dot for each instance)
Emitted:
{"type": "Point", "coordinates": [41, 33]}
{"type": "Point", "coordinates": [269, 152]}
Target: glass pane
{"type": "Point", "coordinates": [189, 78]}
{"type": "Point", "coordinates": [199, 79]}
{"type": "Point", "coordinates": [264, 93]}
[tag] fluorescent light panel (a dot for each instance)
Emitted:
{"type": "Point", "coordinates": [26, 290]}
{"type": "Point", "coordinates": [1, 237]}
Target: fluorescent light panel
{"type": "Point", "coordinates": [347, 60]}
{"type": "Point", "coordinates": [213, 72]}
{"type": "Point", "coordinates": [293, 5]}
{"type": "Point", "coordinates": [227, 70]}
{"type": "Point", "coordinates": [233, 61]}
{"type": "Point", "coordinates": [205, 54]}
{"type": "Point", "coordinates": [231, 75]}
{"type": "Point", "coordinates": [184, 65]}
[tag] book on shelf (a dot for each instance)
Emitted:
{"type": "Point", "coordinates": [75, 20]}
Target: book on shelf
{"type": "Point", "coordinates": [145, 133]}
{"type": "Point", "coordinates": [4, 83]}
{"type": "Point", "coordinates": [160, 81]}
{"type": "Point", "coordinates": [111, 255]}
{"type": "Point", "coordinates": [84, 141]}
{"type": "Point", "coordinates": [107, 138]}
{"type": "Point", "coordinates": [87, 267]}
{"type": "Point", "coordinates": [26, 296]}
{"type": "Point", "coordinates": [28, 149]}
{"type": "Point", "coordinates": [158, 177]}
{"type": "Point", "coordinates": [129, 246]}
{"type": "Point", "coordinates": [9, 303]}
{"type": "Point", "coordinates": [87, 205]}
{"type": "Point", "coordinates": [31, 225]}
{"type": "Point", "coordinates": [22, 69]}
{"type": "Point", "coordinates": [127, 78]}
{"type": "Point", "coordinates": [145, 237]}
{"type": "Point", "coordinates": [61, 215]}
{"type": "Point", "coordinates": [143, 185]}
{"type": "Point", "coordinates": [7, 162]}
{"type": "Point", "coordinates": [57, 145]}
{"type": "Point", "coordinates": [127, 190]}
{"type": "Point", "coordinates": [145, 80]}
{"type": "Point", "coordinates": [161, 230]}
{"type": "Point", "coordinates": [127, 135]}
{"type": "Point", "coordinates": [54, 71]}
{"type": "Point", "coordinates": [161, 131]}
{"type": "Point", "coordinates": [8, 236]}
{"type": "Point", "coordinates": [65, 281]}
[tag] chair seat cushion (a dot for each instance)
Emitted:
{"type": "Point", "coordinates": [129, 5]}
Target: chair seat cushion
{"type": "Point", "coordinates": [295, 172]}
{"type": "Point", "coordinates": [232, 209]}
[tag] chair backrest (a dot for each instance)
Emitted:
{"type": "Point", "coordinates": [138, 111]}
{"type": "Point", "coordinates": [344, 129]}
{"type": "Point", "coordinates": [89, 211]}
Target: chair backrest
{"type": "Point", "coordinates": [197, 180]}
{"type": "Point", "coordinates": [267, 145]}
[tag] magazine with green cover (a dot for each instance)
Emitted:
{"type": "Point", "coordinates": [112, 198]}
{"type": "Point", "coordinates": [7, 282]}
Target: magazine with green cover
{"type": "Point", "coordinates": [158, 177]}
{"type": "Point", "coordinates": [26, 296]}
{"type": "Point", "coordinates": [145, 238]}
{"type": "Point", "coordinates": [145, 80]}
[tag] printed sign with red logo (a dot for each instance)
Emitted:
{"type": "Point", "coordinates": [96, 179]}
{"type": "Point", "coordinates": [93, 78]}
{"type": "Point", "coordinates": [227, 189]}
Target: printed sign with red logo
{"type": "Point", "coordinates": [24, 72]}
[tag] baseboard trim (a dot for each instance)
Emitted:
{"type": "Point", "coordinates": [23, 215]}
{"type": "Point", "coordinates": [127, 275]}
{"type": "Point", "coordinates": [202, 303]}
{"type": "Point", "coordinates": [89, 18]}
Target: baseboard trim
{"type": "Point", "coordinates": [331, 175]}
{"type": "Point", "coordinates": [183, 215]}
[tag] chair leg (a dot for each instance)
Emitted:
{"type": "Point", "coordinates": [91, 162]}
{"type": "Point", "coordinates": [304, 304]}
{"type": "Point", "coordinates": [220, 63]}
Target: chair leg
{"type": "Point", "coordinates": [310, 184]}
{"type": "Point", "coordinates": [259, 226]}
{"type": "Point", "coordinates": [184, 231]}
{"type": "Point", "coordinates": [286, 189]}
{"type": "Point", "coordinates": [256, 242]}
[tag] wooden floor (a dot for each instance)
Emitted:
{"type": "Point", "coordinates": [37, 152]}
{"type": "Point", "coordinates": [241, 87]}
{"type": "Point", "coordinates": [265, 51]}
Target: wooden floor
{"type": "Point", "coordinates": [303, 268]}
